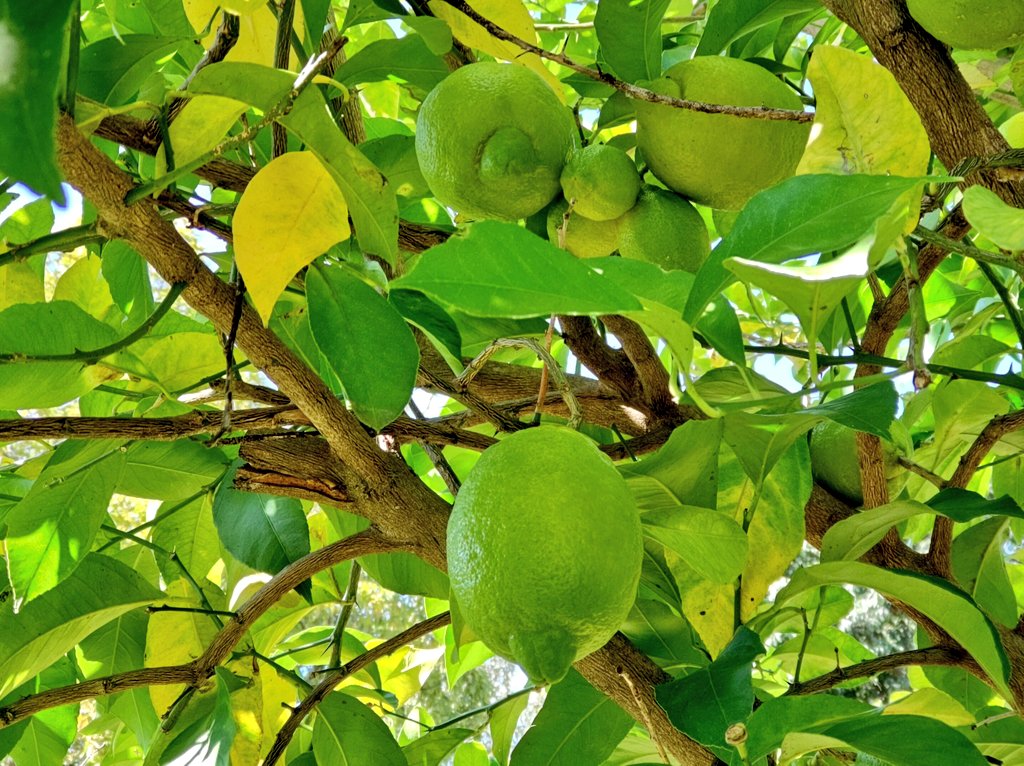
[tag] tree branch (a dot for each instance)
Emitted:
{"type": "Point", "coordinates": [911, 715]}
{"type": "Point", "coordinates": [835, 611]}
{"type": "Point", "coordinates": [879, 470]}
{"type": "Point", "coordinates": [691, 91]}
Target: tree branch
{"type": "Point", "coordinates": [336, 676]}
{"type": "Point", "coordinates": [194, 673]}
{"type": "Point", "coordinates": [933, 655]}
{"type": "Point", "coordinates": [633, 91]}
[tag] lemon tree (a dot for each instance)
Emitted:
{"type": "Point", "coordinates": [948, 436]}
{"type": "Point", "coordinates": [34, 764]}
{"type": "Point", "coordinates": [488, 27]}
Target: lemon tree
{"type": "Point", "coordinates": [329, 434]}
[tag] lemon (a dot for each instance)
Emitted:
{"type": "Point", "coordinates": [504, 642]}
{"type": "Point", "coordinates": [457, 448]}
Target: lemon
{"type": "Point", "coordinates": [1013, 130]}
{"type": "Point", "coordinates": [584, 238]}
{"type": "Point", "coordinates": [544, 549]}
{"type": "Point", "coordinates": [602, 180]}
{"type": "Point", "coordinates": [716, 159]}
{"type": "Point", "coordinates": [834, 462]}
{"type": "Point", "coordinates": [971, 24]}
{"type": "Point", "coordinates": [664, 229]}
{"type": "Point", "coordinates": [492, 139]}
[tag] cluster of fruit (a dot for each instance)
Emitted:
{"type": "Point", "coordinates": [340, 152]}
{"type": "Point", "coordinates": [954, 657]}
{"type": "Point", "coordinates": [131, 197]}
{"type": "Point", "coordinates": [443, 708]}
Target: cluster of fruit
{"type": "Point", "coordinates": [494, 141]}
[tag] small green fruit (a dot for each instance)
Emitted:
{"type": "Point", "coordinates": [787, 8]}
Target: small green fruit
{"type": "Point", "coordinates": [664, 229]}
{"type": "Point", "coordinates": [584, 238]}
{"type": "Point", "coordinates": [602, 180]}
{"type": "Point", "coordinates": [971, 24]}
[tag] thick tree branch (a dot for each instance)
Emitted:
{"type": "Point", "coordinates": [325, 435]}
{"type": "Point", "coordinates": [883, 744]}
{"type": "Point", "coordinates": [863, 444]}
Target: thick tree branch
{"type": "Point", "coordinates": [398, 494]}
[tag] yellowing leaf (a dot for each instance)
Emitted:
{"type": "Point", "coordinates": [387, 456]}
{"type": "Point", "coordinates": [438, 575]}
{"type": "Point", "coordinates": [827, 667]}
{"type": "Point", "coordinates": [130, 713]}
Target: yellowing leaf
{"type": "Point", "coordinates": [290, 213]}
{"type": "Point", "coordinates": [200, 126]}
{"type": "Point", "coordinates": [257, 27]}
{"type": "Point", "coordinates": [510, 15]}
{"type": "Point", "coordinates": [863, 122]}
{"type": "Point", "coordinates": [84, 285]}
{"type": "Point", "coordinates": [19, 284]}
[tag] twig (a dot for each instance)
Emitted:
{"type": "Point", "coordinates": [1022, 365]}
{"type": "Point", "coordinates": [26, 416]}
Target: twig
{"type": "Point", "coordinates": [933, 655]}
{"type": "Point", "coordinates": [970, 251]}
{"type": "Point", "coordinates": [582, 25]}
{"type": "Point", "coordinates": [1012, 309]}
{"type": "Point", "coordinates": [348, 603]}
{"type": "Point", "coordinates": [282, 49]}
{"type": "Point", "coordinates": [633, 91]}
{"type": "Point", "coordinates": [63, 240]}
{"type": "Point", "coordinates": [192, 674]}
{"type": "Point", "coordinates": [93, 356]}
{"type": "Point", "coordinates": [337, 675]}
{"type": "Point", "coordinates": [437, 458]}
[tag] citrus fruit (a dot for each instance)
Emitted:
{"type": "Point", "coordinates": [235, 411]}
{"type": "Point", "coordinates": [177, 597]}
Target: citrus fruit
{"type": "Point", "coordinates": [584, 238]}
{"type": "Point", "coordinates": [664, 229]}
{"type": "Point", "coordinates": [834, 462]}
{"type": "Point", "coordinates": [544, 549]}
{"type": "Point", "coordinates": [602, 180]}
{"type": "Point", "coordinates": [716, 159]}
{"type": "Point", "coordinates": [1013, 130]}
{"type": "Point", "coordinates": [492, 139]}
{"type": "Point", "coordinates": [971, 24]}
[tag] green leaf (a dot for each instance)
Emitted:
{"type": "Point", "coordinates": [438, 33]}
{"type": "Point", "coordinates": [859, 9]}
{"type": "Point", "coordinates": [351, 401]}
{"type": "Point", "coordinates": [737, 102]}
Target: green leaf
{"type": "Point", "coordinates": [705, 703]}
{"type": "Point", "coordinates": [993, 218]}
{"type": "Point", "coordinates": [630, 35]}
{"type": "Point", "coordinates": [434, 746]}
{"type": "Point", "coordinates": [577, 724]}
{"type": "Point", "coordinates": [897, 739]}
{"type": "Point", "coordinates": [208, 739]}
{"type": "Point", "coordinates": [33, 41]}
{"type": "Point", "coordinates": [366, 342]}
{"type": "Point", "coordinates": [980, 569]}
{"type": "Point", "coordinates": [371, 201]}
{"type": "Point", "coordinates": [948, 607]}
{"type": "Point", "coordinates": [407, 58]}
{"type": "Point", "coordinates": [346, 731]}
{"type": "Point", "coordinates": [686, 465]}
{"type": "Point", "coordinates": [49, 733]}
{"type": "Point", "coordinates": [48, 627]}
{"type": "Point", "coordinates": [433, 320]}
{"type": "Point", "coordinates": [800, 216]}
{"type": "Point", "coordinates": [37, 329]}
{"type": "Point", "coordinates": [170, 470]}
{"type": "Point", "coordinates": [811, 292]}
{"type": "Point", "coordinates": [731, 19]}
{"type": "Point", "coordinates": [663, 635]}
{"type": "Point", "coordinates": [502, 722]}
{"type": "Point", "coordinates": [501, 270]}
{"type": "Point", "coordinates": [768, 726]}
{"type": "Point", "coordinates": [112, 69]}
{"type": "Point", "coordinates": [710, 543]}
{"type": "Point", "coordinates": [52, 529]}
{"type": "Point", "coordinates": [864, 123]}
{"type": "Point", "coordinates": [264, 532]}
{"type": "Point", "coordinates": [188, 531]}
{"type": "Point", "coordinates": [870, 409]}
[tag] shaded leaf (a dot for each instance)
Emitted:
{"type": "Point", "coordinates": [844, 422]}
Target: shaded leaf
{"type": "Point", "coordinates": [346, 731]}
{"type": "Point", "coordinates": [630, 37]}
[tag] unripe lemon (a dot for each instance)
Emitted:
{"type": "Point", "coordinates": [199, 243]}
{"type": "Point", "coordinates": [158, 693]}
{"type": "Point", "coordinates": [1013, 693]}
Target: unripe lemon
{"type": "Point", "coordinates": [544, 549]}
{"type": "Point", "coordinates": [492, 139]}
{"type": "Point", "coordinates": [664, 229]}
{"type": "Point", "coordinates": [602, 180]}
{"type": "Point", "coordinates": [716, 159]}
{"type": "Point", "coordinates": [584, 238]}
{"type": "Point", "coordinates": [971, 24]}
{"type": "Point", "coordinates": [834, 462]}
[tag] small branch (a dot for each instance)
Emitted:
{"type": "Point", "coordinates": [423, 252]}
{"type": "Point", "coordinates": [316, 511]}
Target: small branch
{"type": "Point", "coordinates": [348, 603]}
{"type": "Point", "coordinates": [437, 459]}
{"type": "Point", "coordinates": [1012, 309]}
{"type": "Point", "coordinates": [91, 357]}
{"type": "Point", "coordinates": [337, 675]}
{"type": "Point", "coordinates": [650, 372]}
{"type": "Point", "coordinates": [583, 25]}
{"type": "Point", "coordinates": [194, 673]}
{"type": "Point", "coordinates": [633, 91]}
{"type": "Point", "coordinates": [942, 531]}
{"type": "Point", "coordinates": [933, 655]}
{"type": "Point", "coordinates": [190, 609]}
{"type": "Point", "coordinates": [932, 478]}
{"type": "Point", "coordinates": [969, 251]}
{"type": "Point", "coordinates": [58, 241]}
{"type": "Point", "coordinates": [282, 49]}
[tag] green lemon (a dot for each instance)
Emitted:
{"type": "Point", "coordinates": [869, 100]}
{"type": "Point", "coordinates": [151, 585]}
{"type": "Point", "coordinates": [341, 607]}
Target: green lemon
{"type": "Point", "coordinates": [492, 139]}
{"type": "Point", "coordinates": [544, 549]}
{"type": "Point", "coordinates": [971, 24]}
{"type": "Point", "coordinates": [1013, 130]}
{"type": "Point", "coordinates": [584, 238]}
{"type": "Point", "coordinates": [716, 159]}
{"type": "Point", "coordinates": [664, 229]}
{"type": "Point", "coordinates": [602, 180]}
{"type": "Point", "coordinates": [834, 462]}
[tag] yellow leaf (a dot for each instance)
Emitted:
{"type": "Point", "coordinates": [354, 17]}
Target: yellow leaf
{"type": "Point", "coordinates": [20, 284]}
{"type": "Point", "coordinates": [199, 127]}
{"type": "Point", "coordinates": [510, 15]}
{"type": "Point", "coordinates": [709, 608]}
{"type": "Point", "coordinates": [863, 122]}
{"type": "Point", "coordinates": [290, 213]}
{"type": "Point", "coordinates": [83, 284]}
{"type": "Point", "coordinates": [257, 27]}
